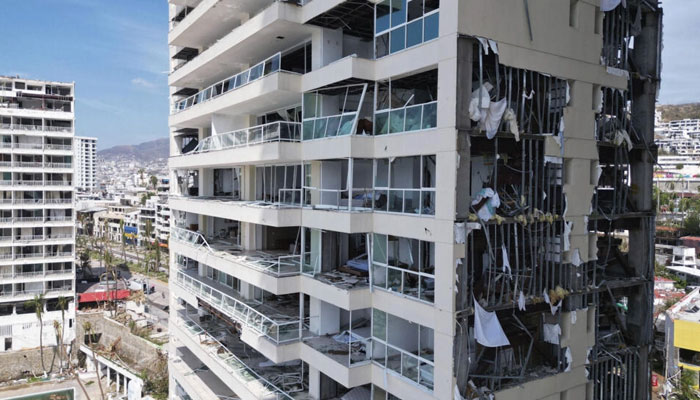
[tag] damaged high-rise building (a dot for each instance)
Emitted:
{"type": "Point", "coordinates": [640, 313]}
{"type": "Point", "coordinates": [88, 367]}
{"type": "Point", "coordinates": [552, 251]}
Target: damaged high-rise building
{"type": "Point", "coordinates": [412, 199]}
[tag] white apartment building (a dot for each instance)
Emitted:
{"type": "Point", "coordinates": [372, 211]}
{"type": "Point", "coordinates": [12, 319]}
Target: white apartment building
{"type": "Point", "coordinates": [163, 222]}
{"type": "Point", "coordinates": [37, 120]}
{"type": "Point", "coordinates": [411, 199]}
{"type": "Point", "coordinates": [85, 163]}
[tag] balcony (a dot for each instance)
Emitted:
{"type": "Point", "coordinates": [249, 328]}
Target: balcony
{"type": "Point", "coordinates": [206, 341]}
{"type": "Point", "coordinates": [269, 213]}
{"type": "Point", "coordinates": [28, 128]}
{"type": "Point", "coordinates": [285, 327]}
{"type": "Point", "coordinates": [275, 263]}
{"type": "Point", "coordinates": [259, 71]}
{"type": "Point", "coordinates": [253, 40]}
{"type": "Point", "coordinates": [276, 141]}
{"type": "Point", "coordinates": [267, 133]}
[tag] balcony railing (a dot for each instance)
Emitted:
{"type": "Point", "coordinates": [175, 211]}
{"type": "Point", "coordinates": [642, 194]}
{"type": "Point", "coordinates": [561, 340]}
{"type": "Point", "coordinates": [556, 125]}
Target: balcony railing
{"type": "Point", "coordinates": [28, 201]}
{"type": "Point", "coordinates": [267, 133]}
{"type": "Point", "coordinates": [406, 119]}
{"type": "Point", "coordinates": [279, 266]}
{"type": "Point", "coordinates": [259, 71]}
{"type": "Point", "coordinates": [29, 183]}
{"type": "Point", "coordinates": [28, 219]}
{"type": "Point", "coordinates": [277, 332]}
{"type": "Point", "coordinates": [59, 254]}
{"type": "Point", "coordinates": [359, 199]}
{"type": "Point", "coordinates": [189, 237]}
{"type": "Point", "coordinates": [59, 201]}
{"type": "Point", "coordinates": [408, 365]}
{"type": "Point", "coordinates": [407, 201]}
{"type": "Point", "coordinates": [237, 368]}
{"type": "Point", "coordinates": [21, 164]}
{"type": "Point", "coordinates": [33, 146]}
{"type": "Point", "coordinates": [58, 165]}
{"type": "Point", "coordinates": [59, 147]}
{"type": "Point", "coordinates": [36, 128]}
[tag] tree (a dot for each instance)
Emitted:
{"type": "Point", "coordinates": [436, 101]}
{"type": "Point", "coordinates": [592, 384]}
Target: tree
{"type": "Point", "coordinates": [685, 389]}
{"type": "Point", "coordinates": [691, 224]}
{"type": "Point", "coordinates": [149, 243]}
{"type": "Point", "coordinates": [123, 236]}
{"type": "Point", "coordinates": [62, 304]}
{"type": "Point", "coordinates": [142, 181]}
{"type": "Point", "coordinates": [87, 327]}
{"type": "Point", "coordinates": [38, 303]}
{"type": "Point", "coordinates": [154, 182]}
{"type": "Point", "coordinates": [111, 275]}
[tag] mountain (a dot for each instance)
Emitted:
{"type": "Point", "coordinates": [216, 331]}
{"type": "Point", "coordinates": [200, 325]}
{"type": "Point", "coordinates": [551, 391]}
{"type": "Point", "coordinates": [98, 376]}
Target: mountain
{"type": "Point", "coordinates": [147, 151]}
{"type": "Point", "coordinates": [672, 112]}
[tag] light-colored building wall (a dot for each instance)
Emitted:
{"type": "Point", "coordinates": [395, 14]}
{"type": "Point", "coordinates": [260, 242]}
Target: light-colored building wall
{"type": "Point", "coordinates": [274, 213]}
{"type": "Point", "coordinates": [37, 120]}
{"type": "Point", "coordinates": [85, 163]}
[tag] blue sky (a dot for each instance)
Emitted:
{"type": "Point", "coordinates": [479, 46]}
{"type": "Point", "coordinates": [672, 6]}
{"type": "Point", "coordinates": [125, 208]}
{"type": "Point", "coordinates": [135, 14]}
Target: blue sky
{"type": "Point", "coordinates": [680, 74]}
{"type": "Point", "coordinates": [116, 52]}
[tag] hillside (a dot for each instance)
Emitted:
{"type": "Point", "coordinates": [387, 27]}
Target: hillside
{"type": "Point", "coordinates": [147, 151]}
{"type": "Point", "coordinates": [672, 112]}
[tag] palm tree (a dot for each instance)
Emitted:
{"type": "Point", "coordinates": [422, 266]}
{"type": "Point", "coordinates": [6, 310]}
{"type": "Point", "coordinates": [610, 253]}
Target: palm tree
{"type": "Point", "coordinates": [58, 328]}
{"type": "Point", "coordinates": [62, 303]}
{"type": "Point", "coordinates": [109, 274]}
{"type": "Point", "coordinates": [141, 171]}
{"type": "Point", "coordinates": [148, 233]}
{"type": "Point", "coordinates": [87, 327]}
{"type": "Point", "coordinates": [38, 303]}
{"type": "Point", "coordinates": [121, 229]}
{"type": "Point", "coordinates": [154, 183]}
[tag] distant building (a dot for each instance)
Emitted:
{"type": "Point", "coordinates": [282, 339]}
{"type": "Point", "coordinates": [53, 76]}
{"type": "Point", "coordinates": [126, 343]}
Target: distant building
{"type": "Point", "coordinates": [682, 333]}
{"type": "Point", "coordinates": [37, 216]}
{"type": "Point", "coordinates": [85, 163]}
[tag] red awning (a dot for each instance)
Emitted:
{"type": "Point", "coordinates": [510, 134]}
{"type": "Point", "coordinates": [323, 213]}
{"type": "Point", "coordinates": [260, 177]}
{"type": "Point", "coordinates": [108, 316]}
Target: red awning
{"type": "Point", "coordinates": [103, 296]}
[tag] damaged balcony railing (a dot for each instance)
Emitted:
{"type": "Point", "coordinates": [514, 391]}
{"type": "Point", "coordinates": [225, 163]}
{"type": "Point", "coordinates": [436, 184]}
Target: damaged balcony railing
{"type": "Point", "coordinates": [278, 266]}
{"type": "Point", "coordinates": [237, 368]}
{"type": "Point", "coordinates": [192, 238]}
{"type": "Point", "coordinates": [277, 332]}
{"type": "Point", "coordinates": [259, 71]}
{"type": "Point", "coordinates": [323, 117]}
{"type": "Point", "coordinates": [273, 132]}
{"type": "Point", "coordinates": [612, 188]}
{"type": "Point", "coordinates": [406, 119]}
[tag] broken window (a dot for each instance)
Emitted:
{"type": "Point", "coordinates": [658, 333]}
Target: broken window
{"type": "Point", "coordinates": [404, 347]}
{"type": "Point", "coordinates": [406, 104]}
{"type": "Point", "coordinates": [278, 184]}
{"type": "Point", "coordinates": [335, 111]}
{"type": "Point", "coordinates": [405, 185]}
{"type": "Point", "coordinates": [339, 184]}
{"type": "Point", "coordinates": [339, 258]}
{"type": "Point", "coordinates": [227, 183]}
{"type": "Point", "coordinates": [514, 100]}
{"type": "Point", "coordinates": [401, 24]}
{"type": "Point", "coordinates": [404, 265]}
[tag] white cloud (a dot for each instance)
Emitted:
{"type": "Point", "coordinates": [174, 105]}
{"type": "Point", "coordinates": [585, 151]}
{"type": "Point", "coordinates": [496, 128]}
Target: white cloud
{"type": "Point", "coordinates": [143, 83]}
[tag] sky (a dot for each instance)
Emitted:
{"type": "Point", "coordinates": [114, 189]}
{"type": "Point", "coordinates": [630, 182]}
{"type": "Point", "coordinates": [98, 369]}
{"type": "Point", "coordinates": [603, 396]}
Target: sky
{"type": "Point", "coordinates": [680, 73]}
{"type": "Point", "coordinates": [116, 52]}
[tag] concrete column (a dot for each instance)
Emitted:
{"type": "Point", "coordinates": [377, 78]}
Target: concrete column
{"type": "Point", "coordinates": [206, 182]}
{"type": "Point", "coordinates": [325, 317]}
{"type": "Point", "coordinates": [109, 374]}
{"type": "Point", "coordinates": [314, 383]}
{"type": "Point", "coordinates": [326, 47]}
{"type": "Point", "coordinates": [117, 381]}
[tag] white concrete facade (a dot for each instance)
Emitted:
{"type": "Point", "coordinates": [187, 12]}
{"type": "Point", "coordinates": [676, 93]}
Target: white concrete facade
{"type": "Point", "coordinates": [324, 160]}
{"type": "Point", "coordinates": [37, 120]}
{"type": "Point", "coordinates": [85, 163]}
